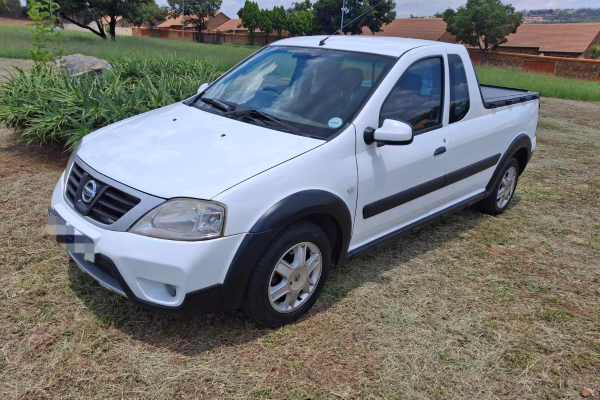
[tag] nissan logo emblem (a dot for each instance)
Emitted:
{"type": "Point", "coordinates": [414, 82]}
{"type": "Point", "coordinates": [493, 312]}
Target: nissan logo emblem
{"type": "Point", "coordinates": [89, 191]}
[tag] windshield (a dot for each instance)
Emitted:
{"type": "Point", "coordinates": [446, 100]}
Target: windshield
{"type": "Point", "coordinates": [315, 91]}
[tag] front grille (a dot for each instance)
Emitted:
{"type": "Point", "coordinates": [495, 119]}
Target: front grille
{"type": "Point", "coordinates": [73, 182]}
{"type": "Point", "coordinates": [109, 204]}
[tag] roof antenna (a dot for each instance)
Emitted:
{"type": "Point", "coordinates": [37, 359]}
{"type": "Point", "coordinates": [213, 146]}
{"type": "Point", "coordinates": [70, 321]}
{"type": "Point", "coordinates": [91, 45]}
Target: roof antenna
{"type": "Point", "coordinates": [322, 42]}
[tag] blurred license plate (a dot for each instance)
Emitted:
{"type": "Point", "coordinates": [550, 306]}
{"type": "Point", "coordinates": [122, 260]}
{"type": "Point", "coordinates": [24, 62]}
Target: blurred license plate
{"type": "Point", "coordinates": [75, 241]}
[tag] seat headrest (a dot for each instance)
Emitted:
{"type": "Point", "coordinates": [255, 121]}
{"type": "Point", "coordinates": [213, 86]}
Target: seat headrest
{"type": "Point", "coordinates": [350, 79]}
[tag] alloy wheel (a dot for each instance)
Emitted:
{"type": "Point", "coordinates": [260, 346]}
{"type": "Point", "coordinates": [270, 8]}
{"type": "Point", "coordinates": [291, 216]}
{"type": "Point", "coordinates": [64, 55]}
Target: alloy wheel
{"type": "Point", "coordinates": [507, 187]}
{"type": "Point", "coordinates": [295, 277]}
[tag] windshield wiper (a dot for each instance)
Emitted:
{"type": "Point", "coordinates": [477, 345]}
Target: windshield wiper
{"type": "Point", "coordinates": [279, 122]}
{"type": "Point", "coordinates": [246, 112]}
{"type": "Point", "coordinates": [215, 103]}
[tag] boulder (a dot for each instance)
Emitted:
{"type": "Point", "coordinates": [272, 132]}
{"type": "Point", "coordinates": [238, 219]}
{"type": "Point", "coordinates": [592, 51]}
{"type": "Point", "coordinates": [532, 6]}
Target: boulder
{"type": "Point", "coordinates": [78, 64]}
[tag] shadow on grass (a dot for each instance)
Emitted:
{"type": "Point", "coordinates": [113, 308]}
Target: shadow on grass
{"type": "Point", "coordinates": [189, 336]}
{"type": "Point", "coordinates": [51, 155]}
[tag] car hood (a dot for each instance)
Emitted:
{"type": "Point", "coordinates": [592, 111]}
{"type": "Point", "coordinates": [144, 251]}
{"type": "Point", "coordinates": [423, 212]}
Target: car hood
{"type": "Point", "coordinates": [181, 151]}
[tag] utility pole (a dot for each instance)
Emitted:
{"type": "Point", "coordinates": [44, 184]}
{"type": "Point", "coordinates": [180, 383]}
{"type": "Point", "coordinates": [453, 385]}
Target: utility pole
{"type": "Point", "coordinates": [343, 9]}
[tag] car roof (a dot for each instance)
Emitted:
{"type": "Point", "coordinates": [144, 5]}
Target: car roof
{"type": "Point", "coordinates": [389, 46]}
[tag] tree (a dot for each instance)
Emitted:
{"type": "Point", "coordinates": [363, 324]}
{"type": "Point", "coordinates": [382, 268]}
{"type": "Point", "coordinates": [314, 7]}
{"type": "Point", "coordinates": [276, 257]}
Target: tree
{"type": "Point", "coordinates": [13, 8]}
{"type": "Point", "coordinates": [279, 19]}
{"type": "Point", "coordinates": [250, 18]}
{"type": "Point", "coordinates": [596, 52]}
{"type": "Point", "coordinates": [483, 23]}
{"type": "Point", "coordinates": [83, 12]}
{"type": "Point", "coordinates": [383, 14]}
{"type": "Point", "coordinates": [45, 38]}
{"type": "Point", "coordinates": [305, 5]}
{"type": "Point", "coordinates": [266, 23]}
{"type": "Point", "coordinates": [328, 16]}
{"type": "Point", "coordinates": [301, 23]}
{"type": "Point", "coordinates": [196, 12]}
{"type": "Point", "coordinates": [240, 12]}
{"type": "Point", "coordinates": [150, 14]}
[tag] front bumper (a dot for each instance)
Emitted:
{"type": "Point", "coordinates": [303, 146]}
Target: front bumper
{"type": "Point", "coordinates": [141, 267]}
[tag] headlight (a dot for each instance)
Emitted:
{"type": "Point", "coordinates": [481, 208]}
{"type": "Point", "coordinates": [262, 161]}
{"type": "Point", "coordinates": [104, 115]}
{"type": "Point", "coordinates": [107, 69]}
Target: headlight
{"type": "Point", "coordinates": [182, 219]}
{"type": "Point", "coordinates": [70, 162]}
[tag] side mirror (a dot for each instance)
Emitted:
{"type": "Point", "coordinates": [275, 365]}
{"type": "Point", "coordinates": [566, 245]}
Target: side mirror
{"type": "Point", "coordinates": [202, 88]}
{"type": "Point", "coordinates": [391, 132]}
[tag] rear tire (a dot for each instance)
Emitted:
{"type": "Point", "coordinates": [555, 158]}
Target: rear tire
{"type": "Point", "coordinates": [289, 276]}
{"type": "Point", "coordinates": [503, 192]}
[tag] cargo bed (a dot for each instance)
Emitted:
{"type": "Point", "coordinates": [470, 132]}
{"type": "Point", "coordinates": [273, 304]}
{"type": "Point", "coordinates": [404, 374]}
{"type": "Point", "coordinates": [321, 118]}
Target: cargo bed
{"type": "Point", "coordinates": [499, 96]}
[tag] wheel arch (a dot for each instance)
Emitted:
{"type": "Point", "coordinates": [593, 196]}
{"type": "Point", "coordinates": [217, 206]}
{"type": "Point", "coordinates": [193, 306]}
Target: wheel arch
{"type": "Point", "coordinates": [519, 148]}
{"type": "Point", "coordinates": [323, 208]}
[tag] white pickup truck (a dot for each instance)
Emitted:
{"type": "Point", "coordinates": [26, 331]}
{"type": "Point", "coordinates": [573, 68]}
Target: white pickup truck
{"type": "Point", "coordinates": [304, 156]}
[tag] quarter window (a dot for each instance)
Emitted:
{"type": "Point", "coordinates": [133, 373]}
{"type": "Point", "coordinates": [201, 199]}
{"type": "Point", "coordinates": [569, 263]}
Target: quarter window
{"type": "Point", "coordinates": [417, 96]}
{"type": "Point", "coordinates": [459, 88]}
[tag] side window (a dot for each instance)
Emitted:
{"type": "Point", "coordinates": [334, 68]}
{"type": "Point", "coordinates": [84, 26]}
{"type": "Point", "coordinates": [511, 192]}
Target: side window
{"type": "Point", "coordinates": [459, 89]}
{"type": "Point", "coordinates": [417, 96]}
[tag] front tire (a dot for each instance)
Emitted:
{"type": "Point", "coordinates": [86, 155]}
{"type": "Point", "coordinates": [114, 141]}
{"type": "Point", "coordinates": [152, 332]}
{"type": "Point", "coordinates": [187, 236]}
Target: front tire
{"type": "Point", "coordinates": [503, 192]}
{"type": "Point", "coordinates": [289, 276]}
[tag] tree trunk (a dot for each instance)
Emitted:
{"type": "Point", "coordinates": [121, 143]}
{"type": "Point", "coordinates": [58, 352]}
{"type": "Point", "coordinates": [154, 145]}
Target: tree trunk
{"type": "Point", "coordinates": [112, 25]}
{"type": "Point", "coordinates": [266, 38]}
{"type": "Point", "coordinates": [482, 56]}
{"type": "Point", "coordinates": [252, 37]}
{"type": "Point", "coordinates": [100, 32]}
{"type": "Point", "coordinates": [279, 34]}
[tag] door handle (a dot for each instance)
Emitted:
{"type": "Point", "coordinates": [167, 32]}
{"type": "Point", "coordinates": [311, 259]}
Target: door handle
{"type": "Point", "coordinates": [439, 150]}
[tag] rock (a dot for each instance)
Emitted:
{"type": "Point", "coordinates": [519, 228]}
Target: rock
{"type": "Point", "coordinates": [586, 393]}
{"type": "Point", "coordinates": [78, 64]}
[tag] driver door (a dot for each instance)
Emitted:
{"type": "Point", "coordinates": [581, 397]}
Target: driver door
{"type": "Point", "coordinates": [399, 184]}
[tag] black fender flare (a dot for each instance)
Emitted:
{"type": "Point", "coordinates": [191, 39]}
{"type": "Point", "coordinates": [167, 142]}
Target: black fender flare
{"type": "Point", "coordinates": [280, 215]}
{"type": "Point", "coordinates": [522, 141]}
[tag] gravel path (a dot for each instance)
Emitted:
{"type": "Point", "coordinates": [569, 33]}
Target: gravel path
{"type": "Point", "coordinates": [7, 64]}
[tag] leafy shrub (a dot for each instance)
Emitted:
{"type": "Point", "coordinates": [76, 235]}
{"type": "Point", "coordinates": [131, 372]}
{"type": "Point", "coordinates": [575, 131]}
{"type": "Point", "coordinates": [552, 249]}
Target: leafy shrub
{"type": "Point", "coordinates": [46, 106]}
{"type": "Point", "coordinates": [45, 37]}
{"type": "Point", "coordinates": [596, 52]}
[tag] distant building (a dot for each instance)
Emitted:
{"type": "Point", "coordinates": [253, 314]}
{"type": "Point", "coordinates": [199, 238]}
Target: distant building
{"type": "Point", "coordinates": [533, 20]}
{"type": "Point", "coordinates": [416, 28]}
{"type": "Point", "coordinates": [214, 22]}
{"type": "Point", "coordinates": [558, 40]}
{"type": "Point", "coordinates": [231, 26]}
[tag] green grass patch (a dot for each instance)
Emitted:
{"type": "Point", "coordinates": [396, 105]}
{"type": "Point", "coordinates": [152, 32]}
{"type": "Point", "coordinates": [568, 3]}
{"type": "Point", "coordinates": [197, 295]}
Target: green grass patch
{"type": "Point", "coordinates": [546, 86]}
{"type": "Point", "coordinates": [48, 106]}
{"type": "Point", "coordinates": [16, 40]}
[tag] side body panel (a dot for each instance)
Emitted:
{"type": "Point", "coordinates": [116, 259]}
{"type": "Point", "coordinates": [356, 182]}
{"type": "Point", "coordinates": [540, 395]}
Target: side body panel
{"type": "Point", "coordinates": [482, 134]}
{"type": "Point", "coordinates": [405, 177]}
{"type": "Point", "coordinates": [330, 167]}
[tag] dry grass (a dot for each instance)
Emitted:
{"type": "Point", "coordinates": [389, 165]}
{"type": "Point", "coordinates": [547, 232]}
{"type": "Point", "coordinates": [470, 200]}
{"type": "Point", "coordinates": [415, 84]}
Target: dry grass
{"type": "Point", "coordinates": [475, 307]}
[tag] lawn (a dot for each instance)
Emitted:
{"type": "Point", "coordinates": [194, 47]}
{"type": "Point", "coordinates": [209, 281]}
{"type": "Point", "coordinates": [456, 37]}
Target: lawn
{"type": "Point", "coordinates": [16, 40]}
{"type": "Point", "coordinates": [547, 86]}
{"type": "Point", "coordinates": [475, 307]}
{"type": "Point", "coordinates": [15, 43]}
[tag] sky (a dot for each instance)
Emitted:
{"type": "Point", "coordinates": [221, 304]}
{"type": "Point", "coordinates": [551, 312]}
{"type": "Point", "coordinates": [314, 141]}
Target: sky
{"type": "Point", "coordinates": [404, 8]}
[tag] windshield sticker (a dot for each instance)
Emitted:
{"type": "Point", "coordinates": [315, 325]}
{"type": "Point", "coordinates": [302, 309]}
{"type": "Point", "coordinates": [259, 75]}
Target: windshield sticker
{"type": "Point", "coordinates": [335, 122]}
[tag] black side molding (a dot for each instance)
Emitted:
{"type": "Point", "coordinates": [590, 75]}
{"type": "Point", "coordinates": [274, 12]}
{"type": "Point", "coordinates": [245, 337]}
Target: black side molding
{"type": "Point", "coordinates": [416, 226]}
{"type": "Point", "coordinates": [472, 169]}
{"type": "Point", "coordinates": [397, 199]}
